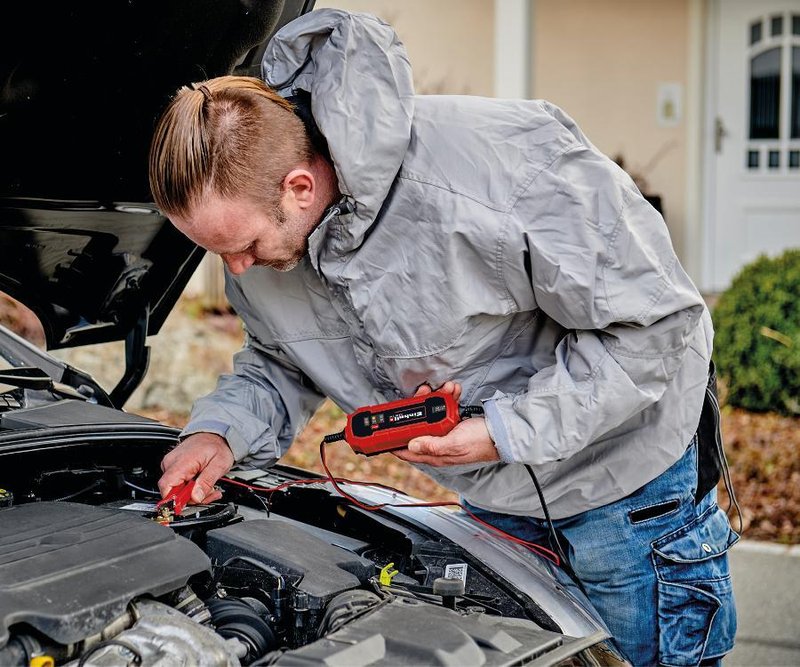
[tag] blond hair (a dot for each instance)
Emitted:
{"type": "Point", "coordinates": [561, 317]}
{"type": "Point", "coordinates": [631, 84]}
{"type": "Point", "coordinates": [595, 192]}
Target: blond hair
{"type": "Point", "coordinates": [232, 136]}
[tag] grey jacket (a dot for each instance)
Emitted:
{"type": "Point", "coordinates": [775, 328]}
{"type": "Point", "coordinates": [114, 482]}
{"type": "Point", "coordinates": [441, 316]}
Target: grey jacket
{"type": "Point", "coordinates": [490, 243]}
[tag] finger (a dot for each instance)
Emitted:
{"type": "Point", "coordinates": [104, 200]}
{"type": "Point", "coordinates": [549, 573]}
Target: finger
{"type": "Point", "coordinates": [457, 392]}
{"type": "Point", "coordinates": [174, 476]}
{"type": "Point", "coordinates": [212, 497]}
{"type": "Point", "coordinates": [435, 461]}
{"type": "Point", "coordinates": [216, 468]}
{"type": "Point", "coordinates": [447, 445]}
{"type": "Point", "coordinates": [203, 487]}
{"type": "Point", "coordinates": [423, 390]}
{"type": "Point", "coordinates": [168, 459]}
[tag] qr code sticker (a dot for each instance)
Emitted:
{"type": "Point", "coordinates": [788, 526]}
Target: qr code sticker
{"type": "Point", "coordinates": [456, 571]}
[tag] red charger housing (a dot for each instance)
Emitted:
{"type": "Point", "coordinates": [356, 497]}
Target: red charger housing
{"type": "Point", "coordinates": [381, 428]}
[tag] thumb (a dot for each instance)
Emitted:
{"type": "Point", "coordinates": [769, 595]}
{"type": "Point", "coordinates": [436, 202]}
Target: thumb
{"type": "Point", "coordinates": [422, 446]}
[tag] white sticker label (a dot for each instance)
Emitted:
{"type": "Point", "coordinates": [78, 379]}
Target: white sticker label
{"type": "Point", "coordinates": [140, 507]}
{"type": "Point", "coordinates": [456, 571]}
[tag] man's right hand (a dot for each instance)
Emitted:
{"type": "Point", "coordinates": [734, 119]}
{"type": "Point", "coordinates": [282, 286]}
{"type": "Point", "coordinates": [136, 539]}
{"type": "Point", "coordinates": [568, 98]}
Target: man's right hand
{"type": "Point", "coordinates": [205, 456]}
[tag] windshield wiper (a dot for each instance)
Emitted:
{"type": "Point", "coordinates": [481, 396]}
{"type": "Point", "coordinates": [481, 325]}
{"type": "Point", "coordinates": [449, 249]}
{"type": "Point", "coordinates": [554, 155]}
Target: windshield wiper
{"type": "Point", "coordinates": [30, 377]}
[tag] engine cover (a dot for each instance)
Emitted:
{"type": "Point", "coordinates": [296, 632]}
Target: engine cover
{"type": "Point", "coordinates": [323, 570]}
{"type": "Point", "coordinates": [68, 569]}
{"type": "Point", "coordinates": [412, 632]}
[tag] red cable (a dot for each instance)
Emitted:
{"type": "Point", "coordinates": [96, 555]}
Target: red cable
{"type": "Point", "coordinates": [537, 548]}
{"type": "Point", "coordinates": [532, 546]}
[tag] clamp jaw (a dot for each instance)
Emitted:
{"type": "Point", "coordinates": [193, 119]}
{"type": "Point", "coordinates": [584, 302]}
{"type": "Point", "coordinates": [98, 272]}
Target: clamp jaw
{"type": "Point", "coordinates": [174, 502]}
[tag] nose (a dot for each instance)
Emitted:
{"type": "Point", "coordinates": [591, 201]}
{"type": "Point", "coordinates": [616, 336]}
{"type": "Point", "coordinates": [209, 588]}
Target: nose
{"type": "Point", "coordinates": [238, 263]}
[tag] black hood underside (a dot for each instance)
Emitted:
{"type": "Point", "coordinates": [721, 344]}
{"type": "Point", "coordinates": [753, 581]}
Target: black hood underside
{"type": "Point", "coordinates": [81, 88]}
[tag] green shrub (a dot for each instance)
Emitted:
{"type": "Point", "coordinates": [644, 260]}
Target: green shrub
{"type": "Point", "coordinates": [757, 343]}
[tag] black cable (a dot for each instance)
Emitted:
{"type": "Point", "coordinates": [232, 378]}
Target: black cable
{"type": "Point", "coordinates": [550, 526]}
{"type": "Point", "coordinates": [333, 437]}
{"type": "Point", "coordinates": [152, 492]}
{"type": "Point", "coordinates": [726, 473]}
{"type": "Point", "coordinates": [93, 485]}
{"type": "Point", "coordinates": [470, 411]}
{"type": "Point", "coordinates": [565, 564]}
{"type": "Point", "coordinates": [266, 503]}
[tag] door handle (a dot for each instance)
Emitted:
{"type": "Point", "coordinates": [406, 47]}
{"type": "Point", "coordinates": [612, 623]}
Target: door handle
{"type": "Point", "coordinates": [719, 134]}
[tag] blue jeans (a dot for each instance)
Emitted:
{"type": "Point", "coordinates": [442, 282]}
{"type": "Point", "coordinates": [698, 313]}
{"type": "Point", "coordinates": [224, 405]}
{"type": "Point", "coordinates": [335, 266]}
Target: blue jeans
{"type": "Point", "coordinates": [654, 565]}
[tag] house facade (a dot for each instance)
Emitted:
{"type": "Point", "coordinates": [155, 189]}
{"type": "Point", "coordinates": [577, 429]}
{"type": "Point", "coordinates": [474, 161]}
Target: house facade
{"type": "Point", "coordinates": [699, 99]}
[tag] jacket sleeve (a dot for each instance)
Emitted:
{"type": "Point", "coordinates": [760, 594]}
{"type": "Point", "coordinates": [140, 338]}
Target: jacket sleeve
{"type": "Point", "coordinates": [584, 247]}
{"type": "Point", "coordinates": [263, 404]}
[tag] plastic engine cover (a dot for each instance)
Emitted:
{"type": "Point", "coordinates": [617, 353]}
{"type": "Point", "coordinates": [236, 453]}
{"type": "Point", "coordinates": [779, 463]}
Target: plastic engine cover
{"type": "Point", "coordinates": [411, 632]}
{"type": "Point", "coordinates": [69, 569]}
{"type": "Point", "coordinates": [324, 570]}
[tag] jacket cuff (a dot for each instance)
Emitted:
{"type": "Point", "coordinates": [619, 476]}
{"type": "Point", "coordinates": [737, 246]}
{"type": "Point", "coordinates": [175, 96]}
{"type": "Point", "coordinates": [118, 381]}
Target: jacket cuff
{"type": "Point", "coordinates": [239, 448]}
{"type": "Point", "coordinates": [497, 430]}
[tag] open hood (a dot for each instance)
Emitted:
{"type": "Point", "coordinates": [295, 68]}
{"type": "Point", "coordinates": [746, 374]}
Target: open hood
{"type": "Point", "coordinates": [81, 87]}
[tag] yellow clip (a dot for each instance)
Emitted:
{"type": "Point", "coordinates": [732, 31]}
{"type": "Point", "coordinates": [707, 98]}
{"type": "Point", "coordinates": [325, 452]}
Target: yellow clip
{"type": "Point", "coordinates": [42, 661]}
{"type": "Point", "coordinates": [387, 574]}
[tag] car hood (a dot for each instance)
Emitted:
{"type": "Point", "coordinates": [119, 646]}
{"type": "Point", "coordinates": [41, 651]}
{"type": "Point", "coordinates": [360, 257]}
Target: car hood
{"type": "Point", "coordinates": [81, 87]}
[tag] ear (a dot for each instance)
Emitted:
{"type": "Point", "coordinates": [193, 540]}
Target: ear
{"type": "Point", "coordinates": [299, 189]}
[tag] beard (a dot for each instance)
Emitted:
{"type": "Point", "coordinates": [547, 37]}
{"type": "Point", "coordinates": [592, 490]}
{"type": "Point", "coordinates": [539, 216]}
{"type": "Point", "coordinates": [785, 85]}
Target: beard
{"type": "Point", "coordinates": [292, 229]}
{"type": "Point", "coordinates": [283, 265]}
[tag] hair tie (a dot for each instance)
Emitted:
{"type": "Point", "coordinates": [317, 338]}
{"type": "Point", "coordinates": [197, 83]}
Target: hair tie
{"type": "Point", "coordinates": [203, 89]}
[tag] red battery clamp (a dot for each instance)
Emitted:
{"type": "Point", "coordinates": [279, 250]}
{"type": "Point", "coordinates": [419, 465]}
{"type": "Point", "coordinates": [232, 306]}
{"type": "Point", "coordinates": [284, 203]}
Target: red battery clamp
{"type": "Point", "coordinates": [381, 428]}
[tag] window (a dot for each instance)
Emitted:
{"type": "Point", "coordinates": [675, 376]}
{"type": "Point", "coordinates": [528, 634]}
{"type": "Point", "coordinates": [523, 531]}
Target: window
{"type": "Point", "coordinates": [755, 33]}
{"type": "Point", "coordinates": [765, 94]}
{"type": "Point", "coordinates": [774, 103]}
{"type": "Point", "coordinates": [774, 159]}
{"type": "Point", "coordinates": [776, 26]}
{"type": "Point", "coordinates": [795, 117]}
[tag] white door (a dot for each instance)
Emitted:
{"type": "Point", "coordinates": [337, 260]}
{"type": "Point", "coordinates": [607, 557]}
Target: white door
{"type": "Point", "coordinates": [753, 130]}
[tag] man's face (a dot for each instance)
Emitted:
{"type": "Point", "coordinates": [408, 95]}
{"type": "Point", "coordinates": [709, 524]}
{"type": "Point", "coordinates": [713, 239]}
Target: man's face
{"type": "Point", "coordinates": [243, 234]}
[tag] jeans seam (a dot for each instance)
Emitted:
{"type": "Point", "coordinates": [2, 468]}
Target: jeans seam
{"type": "Point", "coordinates": [661, 577]}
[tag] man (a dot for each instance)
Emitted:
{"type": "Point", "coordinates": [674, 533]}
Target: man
{"type": "Point", "coordinates": [378, 244]}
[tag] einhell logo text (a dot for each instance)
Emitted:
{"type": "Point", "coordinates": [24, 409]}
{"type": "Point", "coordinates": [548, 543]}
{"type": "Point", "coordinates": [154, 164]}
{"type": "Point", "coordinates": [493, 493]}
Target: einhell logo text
{"type": "Point", "coordinates": [405, 416]}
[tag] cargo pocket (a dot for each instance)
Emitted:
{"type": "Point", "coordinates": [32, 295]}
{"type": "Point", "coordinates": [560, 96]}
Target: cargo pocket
{"type": "Point", "coordinates": [696, 613]}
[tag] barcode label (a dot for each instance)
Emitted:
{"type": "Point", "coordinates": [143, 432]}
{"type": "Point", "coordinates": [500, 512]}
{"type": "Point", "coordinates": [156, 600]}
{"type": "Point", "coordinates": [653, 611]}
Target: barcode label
{"type": "Point", "coordinates": [456, 571]}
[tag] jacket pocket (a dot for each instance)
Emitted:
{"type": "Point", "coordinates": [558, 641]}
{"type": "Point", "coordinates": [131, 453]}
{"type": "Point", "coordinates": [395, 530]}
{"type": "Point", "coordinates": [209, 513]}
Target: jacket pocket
{"type": "Point", "coordinates": [696, 613]}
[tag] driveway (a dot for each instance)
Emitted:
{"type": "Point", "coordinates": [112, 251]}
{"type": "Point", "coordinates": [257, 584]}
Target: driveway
{"type": "Point", "coordinates": [766, 583]}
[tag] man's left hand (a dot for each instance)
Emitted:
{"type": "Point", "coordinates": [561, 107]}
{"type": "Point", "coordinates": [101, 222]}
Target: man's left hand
{"type": "Point", "coordinates": [468, 442]}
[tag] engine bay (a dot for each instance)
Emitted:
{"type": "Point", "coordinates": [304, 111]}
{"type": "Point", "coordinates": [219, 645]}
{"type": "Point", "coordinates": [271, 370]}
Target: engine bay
{"type": "Point", "coordinates": [90, 574]}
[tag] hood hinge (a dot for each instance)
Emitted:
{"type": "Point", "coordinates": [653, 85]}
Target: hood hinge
{"type": "Point", "coordinates": [137, 359]}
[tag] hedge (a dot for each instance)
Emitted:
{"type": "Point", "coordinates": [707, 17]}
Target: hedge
{"type": "Point", "coordinates": [757, 342]}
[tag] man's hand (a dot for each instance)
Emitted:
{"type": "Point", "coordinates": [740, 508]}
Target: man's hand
{"type": "Point", "coordinates": [468, 442]}
{"type": "Point", "coordinates": [205, 455]}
